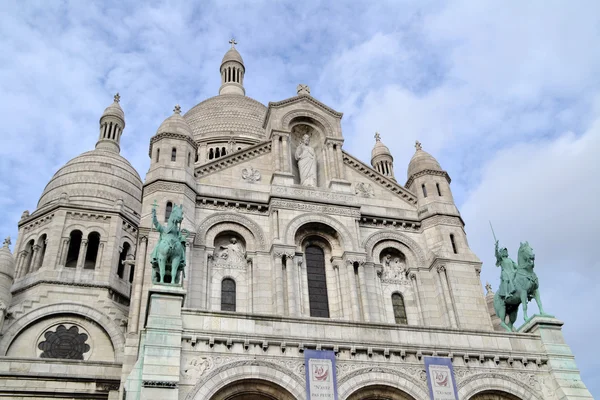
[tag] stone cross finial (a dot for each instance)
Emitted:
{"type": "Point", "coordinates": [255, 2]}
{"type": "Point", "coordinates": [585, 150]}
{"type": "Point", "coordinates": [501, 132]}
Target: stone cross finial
{"type": "Point", "coordinates": [488, 287]}
{"type": "Point", "coordinates": [117, 98]}
{"type": "Point", "coordinates": [233, 43]}
{"type": "Point", "coordinates": [377, 137]}
{"type": "Point", "coordinates": [177, 109]}
{"type": "Point", "coordinates": [303, 89]}
{"type": "Point", "coordinates": [7, 242]}
{"type": "Point", "coordinates": [418, 145]}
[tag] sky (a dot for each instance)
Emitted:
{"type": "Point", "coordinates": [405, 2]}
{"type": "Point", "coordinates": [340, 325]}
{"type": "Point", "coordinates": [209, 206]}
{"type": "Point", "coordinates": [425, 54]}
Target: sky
{"type": "Point", "coordinates": [506, 95]}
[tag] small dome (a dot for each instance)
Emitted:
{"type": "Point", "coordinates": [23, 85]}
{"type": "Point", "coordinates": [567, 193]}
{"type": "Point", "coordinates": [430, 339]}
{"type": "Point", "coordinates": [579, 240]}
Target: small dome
{"type": "Point", "coordinates": [379, 148]}
{"type": "Point", "coordinates": [422, 161]}
{"type": "Point", "coordinates": [175, 124]}
{"type": "Point", "coordinates": [95, 178]}
{"type": "Point", "coordinates": [226, 113]}
{"type": "Point", "coordinates": [7, 261]}
{"type": "Point", "coordinates": [232, 55]}
{"type": "Point", "coordinates": [114, 109]}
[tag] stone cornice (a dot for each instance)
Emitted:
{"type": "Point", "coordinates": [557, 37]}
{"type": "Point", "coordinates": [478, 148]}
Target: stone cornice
{"type": "Point", "coordinates": [297, 99]}
{"type": "Point", "coordinates": [169, 186]}
{"type": "Point", "coordinates": [389, 184]}
{"type": "Point", "coordinates": [234, 158]}
{"type": "Point", "coordinates": [427, 172]}
{"type": "Point", "coordinates": [79, 284]}
{"type": "Point", "coordinates": [166, 135]}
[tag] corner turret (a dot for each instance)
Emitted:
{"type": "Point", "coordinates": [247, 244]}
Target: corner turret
{"type": "Point", "coordinates": [381, 158]}
{"type": "Point", "coordinates": [112, 124]}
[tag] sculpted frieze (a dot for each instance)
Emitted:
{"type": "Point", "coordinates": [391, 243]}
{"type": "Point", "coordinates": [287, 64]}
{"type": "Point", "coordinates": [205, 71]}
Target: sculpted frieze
{"type": "Point", "coordinates": [312, 194]}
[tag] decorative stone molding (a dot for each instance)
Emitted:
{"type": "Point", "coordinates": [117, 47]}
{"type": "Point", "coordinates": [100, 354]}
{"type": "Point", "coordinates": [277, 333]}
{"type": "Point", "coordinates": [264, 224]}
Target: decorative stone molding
{"type": "Point", "coordinates": [165, 186]}
{"type": "Point", "coordinates": [427, 172]}
{"type": "Point", "coordinates": [108, 386]}
{"type": "Point", "coordinates": [296, 223]}
{"type": "Point", "coordinates": [375, 176]}
{"type": "Point", "coordinates": [370, 242]}
{"type": "Point", "coordinates": [160, 384]}
{"type": "Point", "coordinates": [312, 194]}
{"type": "Point", "coordinates": [230, 217]}
{"type": "Point", "coordinates": [442, 220]}
{"type": "Point", "coordinates": [235, 158]}
{"type": "Point", "coordinates": [310, 207]}
{"type": "Point", "coordinates": [390, 223]}
{"type": "Point", "coordinates": [38, 222]}
{"type": "Point", "coordinates": [237, 206]}
{"type": "Point", "coordinates": [286, 120]}
{"type": "Point", "coordinates": [364, 189]}
{"type": "Point", "coordinates": [194, 367]}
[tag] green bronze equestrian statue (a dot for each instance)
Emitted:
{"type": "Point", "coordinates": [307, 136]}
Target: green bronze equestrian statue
{"type": "Point", "coordinates": [518, 285]}
{"type": "Point", "coordinates": [168, 257]}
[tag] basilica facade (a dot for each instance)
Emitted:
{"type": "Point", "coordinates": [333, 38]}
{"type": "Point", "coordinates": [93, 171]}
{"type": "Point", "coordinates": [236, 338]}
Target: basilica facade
{"type": "Point", "coordinates": [290, 243]}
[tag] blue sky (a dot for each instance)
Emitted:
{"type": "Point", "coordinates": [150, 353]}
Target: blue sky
{"type": "Point", "coordinates": [506, 95]}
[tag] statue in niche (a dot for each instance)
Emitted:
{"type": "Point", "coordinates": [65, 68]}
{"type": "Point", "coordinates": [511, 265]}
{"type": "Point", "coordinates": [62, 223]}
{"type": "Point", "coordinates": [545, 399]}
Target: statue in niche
{"type": "Point", "coordinates": [307, 162]}
{"type": "Point", "coordinates": [394, 269]}
{"type": "Point", "coordinates": [233, 252]}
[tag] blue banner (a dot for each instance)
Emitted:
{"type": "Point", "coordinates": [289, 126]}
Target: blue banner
{"type": "Point", "coordinates": [440, 378]}
{"type": "Point", "coordinates": [321, 379]}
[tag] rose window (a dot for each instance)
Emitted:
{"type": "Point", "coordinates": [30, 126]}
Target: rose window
{"type": "Point", "coordinates": [64, 343]}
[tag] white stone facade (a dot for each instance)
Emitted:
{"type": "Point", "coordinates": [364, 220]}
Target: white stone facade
{"type": "Point", "coordinates": [386, 266]}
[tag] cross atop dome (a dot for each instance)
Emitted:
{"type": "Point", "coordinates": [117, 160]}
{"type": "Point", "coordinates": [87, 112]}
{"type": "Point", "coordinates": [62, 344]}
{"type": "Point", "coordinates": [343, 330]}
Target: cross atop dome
{"type": "Point", "coordinates": [7, 242]}
{"type": "Point", "coordinates": [177, 109]}
{"type": "Point", "coordinates": [233, 43]}
{"type": "Point", "coordinates": [377, 137]}
{"type": "Point", "coordinates": [418, 145]}
{"type": "Point", "coordinates": [117, 98]}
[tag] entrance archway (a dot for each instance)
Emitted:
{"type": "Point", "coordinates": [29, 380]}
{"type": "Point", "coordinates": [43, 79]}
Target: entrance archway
{"type": "Point", "coordinates": [494, 395]}
{"type": "Point", "coordinates": [379, 392]}
{"type": "Point", "coordinates": [252, 389]}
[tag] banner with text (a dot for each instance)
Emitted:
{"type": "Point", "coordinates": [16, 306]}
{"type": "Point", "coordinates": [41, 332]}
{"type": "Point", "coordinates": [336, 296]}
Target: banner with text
{"type": "Point", "coordinates": [321, 379]}
{"type": "Point", "coordinates": [440, 378]}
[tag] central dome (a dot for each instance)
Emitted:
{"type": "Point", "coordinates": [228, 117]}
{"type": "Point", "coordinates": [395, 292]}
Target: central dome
{"type": "Point", "coordinates": [226, 113]}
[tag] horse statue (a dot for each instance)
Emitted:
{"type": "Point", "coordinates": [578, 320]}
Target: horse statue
{"type": "Point", "coordinates": [168, 257]}
{"type": "Point", "coordinates": [519, 284]}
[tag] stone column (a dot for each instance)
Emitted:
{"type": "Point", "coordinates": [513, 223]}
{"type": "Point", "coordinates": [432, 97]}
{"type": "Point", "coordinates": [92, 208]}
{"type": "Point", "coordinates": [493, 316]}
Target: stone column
{"type": "Point", "coordinates": [286, 154]}
{"type": "Point", "coordinates": [279, 302]}
{"type": "Point", "coordinates": [276, 152]}
{"type": "Point", "coordinates": [99, 257]}
{"type": "Point", "coordinates": [338, 285]}
{"type": "Point", "coordinates": [364, 294]}
{"type": "Point", "coordinates": [82, 251]}
{"type": "Point", "coordinates": [275, 222]}
{"type": "Point", "coordinates": [64, 251]}
{"type": "Point", "coordinates": [328, 174]}
{"type": "Point", "coordinates": [20, 261]}
{"type": "Point", "coordinates": [380, 300]}
{"type": "Point", "coordinates": [441, 270]}
{"type": "Point", "coordinates": [292, 284]}
{"type": "Point", "coordinates": [303, 279]}
{"type": "Point", "coordinates": [209, 266]}
{"type": "Point", "coordinates": [36, 257]}
{"type": "Point", "coordinates": [331, 160]}
{"type": "Point", "coordinates": [138, 283]}
{"type": "Point", "coordinates": [415, 288]}
{"type": "Point", "coordinates": [354, 299]}
{"type": "Point", "coordinates": [340, 161]}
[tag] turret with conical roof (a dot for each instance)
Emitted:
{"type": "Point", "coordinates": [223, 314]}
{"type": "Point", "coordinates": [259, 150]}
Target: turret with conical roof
{"type": "Point", "coordinates": [381, 158]}
{"type": "Point", "coordinates": [112, 124]}
{"type": "Point", "coordinates": [7, 273]}
{"type": "Point", "coordinates": [427, 179]}
{"type": "Point", "coordinates": [232, 72]}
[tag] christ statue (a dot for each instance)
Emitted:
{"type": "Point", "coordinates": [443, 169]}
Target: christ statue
{"type": "Point", "coordinates": [307, 163]}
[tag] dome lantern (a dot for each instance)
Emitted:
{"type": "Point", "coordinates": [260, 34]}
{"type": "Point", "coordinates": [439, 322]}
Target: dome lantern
{"type": "Point", "coordinates": [112, 124]}
{"type": "Point", "coordinates": [381, 158]}
{"type": "Point", "coordinates": [232, 72]}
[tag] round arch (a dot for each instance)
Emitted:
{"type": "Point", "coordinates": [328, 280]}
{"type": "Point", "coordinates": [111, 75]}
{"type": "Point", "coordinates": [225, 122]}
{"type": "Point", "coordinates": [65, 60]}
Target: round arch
{"type": "Point", "coordinates": [296, 223]}
{"type": "Point", "coordinates": [288, 118]}
{"type": "Point", "coordinates": [379, 392]}
{"type": "Point", "coordinates": [253, 389]}
{"type": "Point", "coordinates": [361, 379]}
{"type": "Point", "coordinates": [409, 244]}
{"type": "Point", "coordinates": [255, 230]}
{"type": "Point", "coordinates": [239, 371]}
{"type": "Point", "coordinates": [110, 327]}
{"type": "Point", "coordinates": [495, 383]}
{"type": "Point", "coordinates": [494, 395]}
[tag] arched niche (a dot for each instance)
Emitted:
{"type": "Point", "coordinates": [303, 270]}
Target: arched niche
{"type": "Point", "coordinates": [379, 241]}
{"type": "Point", "coordinates": [300, 127]}
{"type": "Point", "coordinates": [396, 381]}
{"type": "Point", "coordinates": [230, 247]}
{"type": "Point", "coordinates": [380, 392]}
{"type": "Point", "coordinates": [343, 235]}
{"type": "Point", "coordinates": [213, 225]}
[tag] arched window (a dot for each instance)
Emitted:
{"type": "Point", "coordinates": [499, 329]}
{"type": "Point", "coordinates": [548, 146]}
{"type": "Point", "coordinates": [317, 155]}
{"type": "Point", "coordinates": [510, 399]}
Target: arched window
{"type": "Point", "coordinates": [211, 154]}
{"type": "Point", "coordinates": [223, 152]}
{"type": "Point", "coordinates": [437, 185]}
{"type": "Point", "coordinates": [424, 190]}
{"type": "Point", "coordinates": [317, 283]}
{"type": "Point", "coordinates": [173, 154]}
{"type": "Point", "coordinates": [74, 246]}
{"type": "Point", "coordinates": [157, 155]}
{"type": "Point", "coordinates": [91, 254]}
{"type": "Point", "coordinates": [122, 257]}
{"type": "Point", "coordinates": [42, 242]}
{"type": "Point", "coordinates": [29, 257]}
{"type": "Point", "coordinates": [168, 210]}
{"type": "Point", "coordinates": [399, 309]}
{"type": "Point", "coordinates": [227, 294]}
{"type": "Point", "coordinates": [217, 153]}
{"type": "Point", "coordinates": [453, 244]}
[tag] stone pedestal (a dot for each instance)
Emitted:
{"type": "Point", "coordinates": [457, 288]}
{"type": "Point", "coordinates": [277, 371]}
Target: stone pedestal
{"type": "Point", "coordinates": [565, 381]}
{"type": "Point", "coordinates": [340, 185]}
{"type": "Point", "coordinates": [282, 178]}
{"type": "Point", "coordinates": [162, 344]}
